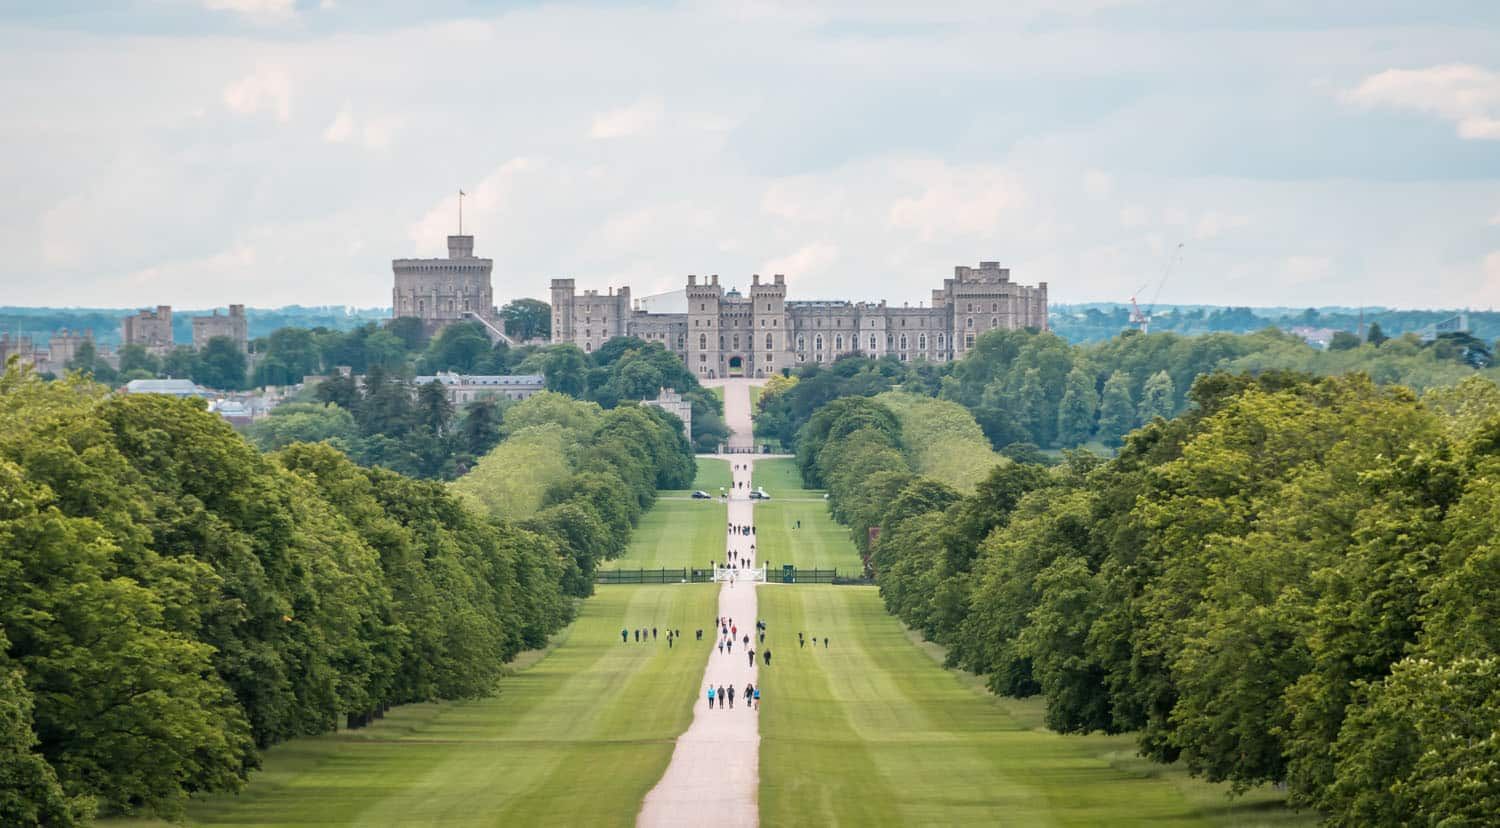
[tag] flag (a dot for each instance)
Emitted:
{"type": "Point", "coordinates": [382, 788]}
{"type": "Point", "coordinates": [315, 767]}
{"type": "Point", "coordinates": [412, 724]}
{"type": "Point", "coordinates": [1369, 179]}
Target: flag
{"type": "Point", "coordinates": [461, 192]}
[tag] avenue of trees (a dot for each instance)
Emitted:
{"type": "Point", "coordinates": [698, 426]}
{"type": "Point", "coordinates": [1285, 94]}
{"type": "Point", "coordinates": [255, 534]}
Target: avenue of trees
{"type": "Point", "coordinates": [579, 475]}
{"type": "Point", "coordinates": [1295, 581]}
{"type": "Point", "coordinates": [1031, 388]}
{"type": "Point", "coordinates": [384, 420]}
{"type": "Point", "coordinates": [172, 600]}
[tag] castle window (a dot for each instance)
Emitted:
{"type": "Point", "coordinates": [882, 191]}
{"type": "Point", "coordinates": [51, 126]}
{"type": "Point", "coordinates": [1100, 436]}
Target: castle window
{"type": "Point", "coordinates": [801, 343]}
{"type": "Point", "coordinates": [818, 344]}
{"type": "Point", "coordinates": [702, 342]}
{"type": "Point", "coordinates": [903, 342]}
{"type": "Point", "coordinates": [703, 357]}
{"type": "Point", "coordinates": [968, 341]}
{"type": "Point", "coordinates": [769, 342]}
{"type": "Point", "coordinates": [970, 323]}
{"type": "Point", "coordinates": [994, 307]}
{"type": "Point", "coordinates": [941, 340]}
{"type": "Point", "coordinates": [873, 346]}
{"type": "Point", "coordinates": [762, 323]}
{"type": "Point", "coordinates": [680, 344]}
{"type": "Point", "coordinates": [903, 321]}
{"type": "Point", "coordinates": [971, 307]}
{"type": "Point", "coordinates": [922, 342]}
{"type": "Point", "coordinates": [736, 342]}
{"type": "Point", "coordinates": [769, 358]}
{"type": "Point", "coordinates": [994, 323]}
{"type": "Point", "coordinates": [721, 342]}
{"type": "Point", "coordinates": [701, 306]}
{"type": "Point", "coordinates": [768, 307]}
{"type": "Point", "coordinates": [773, 323]}
{"type": "Point", "coordinates": [695, 322]}
{"type": "Point", "coordinates": [819, 356]}
{"type": "Point", "coordinates": [588, 347]}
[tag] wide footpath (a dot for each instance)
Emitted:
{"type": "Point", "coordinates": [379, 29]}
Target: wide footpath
{"type": "Point", "coordinates": [867, 730]}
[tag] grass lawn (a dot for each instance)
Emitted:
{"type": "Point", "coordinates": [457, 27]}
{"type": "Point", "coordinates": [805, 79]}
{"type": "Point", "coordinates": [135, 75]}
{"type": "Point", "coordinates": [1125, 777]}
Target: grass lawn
{"type": "Point", "coordinates": [712, 474]}
{"type": "Point", "coordinates": [819, 544]}
{"type": "Point", "coordinates": [577, 738]}
{"type": "Point", "coordinates": [781, 478]}
{"type": "Point", "coordinates": [872, 731]}
{"type": "Point", "coordinates": [718, 391]}
{"type": "Point", "coordinates": [676, 533]}
{"type": "Point", "coordinates": [755, 399]}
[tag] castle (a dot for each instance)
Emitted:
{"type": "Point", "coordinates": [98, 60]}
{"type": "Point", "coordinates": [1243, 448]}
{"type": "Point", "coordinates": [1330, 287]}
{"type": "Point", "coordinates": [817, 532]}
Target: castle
{"type": "Point", "coordinates": [724, 334]}
{"type": "Point", "coordinates": [443, 291]}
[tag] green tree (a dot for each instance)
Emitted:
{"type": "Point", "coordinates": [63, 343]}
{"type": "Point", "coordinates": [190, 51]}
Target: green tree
{"type": "Point", "coordinates": [1075, 415]}
{"type": "Point", "coordinates": [1158, 397]}
{"type": "Point", "coordinates": [1375, 336]}
{"type": "Point", "coordinates": [527, 319]}
{"type": "Point", "coordinates": [220, 365]}
{"type": "Point", "coordinates": [1343, 341]}
{"type": "Point", "coordinates": [457, 347]}
{"type": "Point", "coordinates": [137, 358]}
{"type": "Point", "coordinates": [31, 794]}
{"type": "Point", "coordinates": [1117, 414]}
{"type": "Point", "coordinates": [565, 369]}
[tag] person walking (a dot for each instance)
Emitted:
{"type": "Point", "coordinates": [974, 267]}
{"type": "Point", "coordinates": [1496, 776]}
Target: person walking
{"type": "Point", "coordinates": [749, 696]}
{"type": "Point", "coordinates": [800, 641]}
{"type": "Point", "coordinates": [721, 646]}
{"type": "Point", "coordinates": [766, 656]}
{"type": "Point", "coordinates": [731, 697]}
{"type": "Point", "coordinates": [624, 635]}
{"type": "Point", "coordinates": [722, 697]}
{"type": "Point", "coordinates": [710, 697]}
{"type": "Point", "coordinates": [669, 640]}
{"type": "Point", "coordinates": [752, 657]}
{"type": "Point", "coordinates": [637, 636]}
{"type": "Point", "coordinates": [700, 634]}
{"type": "Point", "coordinates": [825, 643]}
{"type": "Point", "coordinates": [729, 646]}
{"type": "Point", "coordinates": [757, 698]}
{"type": "Point", "coordinates": [653, 633]}
{"type": "Point", "coordinates": [747, 639]}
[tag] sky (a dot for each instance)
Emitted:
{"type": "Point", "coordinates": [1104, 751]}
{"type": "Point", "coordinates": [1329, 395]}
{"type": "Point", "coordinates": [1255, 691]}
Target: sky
{"type": "Point", "coordinates": [271, 152]}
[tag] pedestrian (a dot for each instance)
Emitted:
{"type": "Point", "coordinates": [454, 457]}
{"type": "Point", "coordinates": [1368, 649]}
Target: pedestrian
{"type": "Point", "coordinates": [762, 636]}
{"type": "Point", "coordinates": [624, 635]}
{"type": "Point", "coordinates": [637, 636]}
{"type": "Point", "coordinates": [747, 639]}
{"type": "Point", "coordinates": [766, 656]}
{"type": "Point", "coordinates": [729, 646]}
{"type": "Point", "coordinates": [733, 630]}
{"type": "Point", "coordinates": [710, 697]}
{"type": "Point", "coordinates": [825, 643]}
{"type": "Point", "coordinates": [669, 641]}
{"type": "Point", "coordinates": [722, 697]}
{"type": "Point", "coordinates": [757, 698]}
{"type": "Point", "coordinates": [752, 657]}
{"type": "Point", "coordinates": [724, 629]}
{"type": "Point", "coordinates": [749, 696]}
{"type": "Point", "coordinates": [800, 642]}
{"type": "Point", "coordinates": [653, 633]}
{"type": "Point", "coordinates": [721, 647]}
{"type": "Point", "coordinates": [731, 697]}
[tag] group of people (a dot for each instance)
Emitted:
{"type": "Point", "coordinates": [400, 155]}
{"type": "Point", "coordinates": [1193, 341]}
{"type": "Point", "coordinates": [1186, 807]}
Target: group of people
{"type": "Point", "coordinates": [741, 529]}
{"type": "Point", "coordinates": [801, 641]}
{"type": "Point", "coordinates": [649, 634]}
{"type": "Point", "coordinates": [751, 696]}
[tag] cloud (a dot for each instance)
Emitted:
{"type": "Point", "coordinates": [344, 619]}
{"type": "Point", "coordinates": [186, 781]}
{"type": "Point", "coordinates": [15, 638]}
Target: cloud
{"type": "Point", "coordinates": [806, 262]}
{"type": "Point", "coordinates": [1467, 95]}
{"type": "Point", "coordinates": [955, 201]}
{"type": "Point", "coordinates": [1213, 223]}
{"type": "Point", "coordinates": [259, 11]}
{"type": "Point", "coordinates": [268, 88]}
{"type": "Point", "coordinates": [640, 118]}
{"type": "Point", "coordinates": [1098, 185]}
{"type": "Point", "coordinates": [342, 128]}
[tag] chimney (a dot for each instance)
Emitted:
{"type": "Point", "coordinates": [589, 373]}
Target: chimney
{"type": "Point", "coordinates": [714, 280]}
{"type": "Point", "coordinates": [692, 280]}
{"type": "Point", "coordinates": [755, 279]}
{"type": "Point", "coordinates": [780, 279]}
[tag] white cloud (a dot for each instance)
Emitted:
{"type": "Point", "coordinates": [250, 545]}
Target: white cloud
{"type": "Point", "coordinates": [971, 201]}
{"type": "Point", "coordinates": [640, 118]}
{"type": "Point", "coordinates": [268, 88]}
{"type": "Point", "coordinates": [342, 128]}
{"type": "Point", "coordinates": [1306, 268]}
{"type": "Point", "coordinates": [1133, 215]}
{"type": "Point", "coordinates": [807, 262]}
{"type": "Point", "coordinates": [1495, 220]}
{"type": "Point", "coordinates": [1098, 185]}
{"type": "Point", "coordinates": [258, 11]}
{"type": "Point", "coordinates": [1214, 223]}
{"type": "Point", "coordinates": [1467, 95]}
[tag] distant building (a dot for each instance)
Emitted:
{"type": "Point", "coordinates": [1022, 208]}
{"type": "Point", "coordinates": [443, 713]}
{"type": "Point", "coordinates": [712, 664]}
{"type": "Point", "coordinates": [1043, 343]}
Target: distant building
{"type": "Point", "coordinates": [62, 349]}
{"type": "Point", "coordinates": [151, 330]}
{"type": "Point", "coordinates": [466, 388]}
{"type": "Point", "coordinates": [234, 326]}
{"type": "Point", "coordinates": [443, 291]}
{"type": "Point", "coordinates": [168, 387]}
{"type": "Point", "coordinates": [17, 346]}
{"type": "Point", "coordinates": [722, 334]}
{"type": "Point", "coordinates": [672, 402]}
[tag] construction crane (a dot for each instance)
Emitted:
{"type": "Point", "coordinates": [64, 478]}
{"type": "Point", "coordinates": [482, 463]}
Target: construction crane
{"type": "Point", "coordinates": [1142, 319]}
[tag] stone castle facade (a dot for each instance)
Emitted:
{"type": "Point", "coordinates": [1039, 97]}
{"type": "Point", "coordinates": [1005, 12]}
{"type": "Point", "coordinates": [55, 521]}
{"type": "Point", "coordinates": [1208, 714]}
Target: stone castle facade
{"type": "Point", "coordinates": [731, 334]}
{"type": "Point", "coordinates": [149, 329]}
{"type": "Point", "coordinates": [442, 291]}
{"type": "Point", "coordinates": [234, 325]}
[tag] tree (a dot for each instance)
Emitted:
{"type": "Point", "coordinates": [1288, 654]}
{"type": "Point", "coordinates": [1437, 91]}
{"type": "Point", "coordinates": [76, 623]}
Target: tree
{"type": "Point", "coordinates": [1117, 413]}
{"type": "Point", "coordinates": [434, 410]}
{"type": "Point", "coordinates": [1157, 397]}
{"type": "Point", "coordinates": [31, 794]}
{"type": "Point", "coordinates": [480, 428]}
{"type": "Point", "coordinates": [1375, 336]}
{"type": "Point", "coordinates": [527, 319]}
{"type": "Point", "coordinates": [1343, 341]}
{"type": "Point", "coordinates": [220, 365]}
{"type": "Point", "coordinates": [1075, 416]}
{"type": "Point", "coordinates": [86, 359]}
{"type": "Point", "coordinates": [137, 358]}
{"type": "Point", "coordinates": [456, 348]}
{"type": "Point", "coordinates": [564, 370]}
{"type": "Point", "coordinates": [180, 363]}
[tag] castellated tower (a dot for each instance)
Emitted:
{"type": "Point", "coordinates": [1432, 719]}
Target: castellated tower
{"type": "Point", "coordinates": [443, 291]}
{"type": "Point", "coordinates": [768, 319]}
{"type": "Point", "coordinates": [563, 292]}
{"type": "Point", "coordinates": [704, 351]}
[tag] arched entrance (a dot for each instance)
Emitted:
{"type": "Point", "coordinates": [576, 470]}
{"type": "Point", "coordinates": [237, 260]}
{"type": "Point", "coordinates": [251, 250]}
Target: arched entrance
{"type": "Point", "coordinates": [736, 367]}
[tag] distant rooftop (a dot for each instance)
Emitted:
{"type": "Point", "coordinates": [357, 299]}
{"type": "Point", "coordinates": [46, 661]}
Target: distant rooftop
{"type": "Point", "coordinates": [170, 387]}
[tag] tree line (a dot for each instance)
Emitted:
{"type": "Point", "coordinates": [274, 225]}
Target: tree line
{"type": "Point", "coordinates": [1293, 582]}
{"type": "Point", "coordinates": [1029, 389]}
{"type": "Point", "coordinates": [173, 601]}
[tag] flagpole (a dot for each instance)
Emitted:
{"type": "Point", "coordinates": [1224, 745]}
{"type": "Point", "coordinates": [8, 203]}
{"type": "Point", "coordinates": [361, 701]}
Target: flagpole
{"type": "Point", "coordinates": [460, 212]}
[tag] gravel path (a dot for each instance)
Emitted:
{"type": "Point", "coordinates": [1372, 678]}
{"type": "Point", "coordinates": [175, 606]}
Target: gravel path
{"type": "Point", "coordinates": [714, 776]}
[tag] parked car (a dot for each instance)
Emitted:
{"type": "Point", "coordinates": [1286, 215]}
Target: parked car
{"type": "Point", "coordinates": [702, 495]}
{"type": "Point", "coordinates": [759, 494]}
